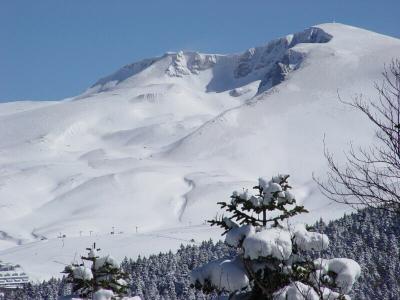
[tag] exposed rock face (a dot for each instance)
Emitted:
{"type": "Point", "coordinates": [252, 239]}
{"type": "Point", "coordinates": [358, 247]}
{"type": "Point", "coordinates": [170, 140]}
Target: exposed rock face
{"type": "Point", "coordinates": [274, 77]}
{"type": "Point", "coordinates": [310, 35]}
{"type": "Point", "coordinates": [178, 66]}
{"type": "Point", "coordinates": [278, 72]}
{"type": "Point", "coordinates": [189, 63]}
{"type": "Point", "coordinates": [277, 58]}
{"type": "Point", "coordinates": [200, 62]}
{"type": "Point", "coordinates": [246, 63]}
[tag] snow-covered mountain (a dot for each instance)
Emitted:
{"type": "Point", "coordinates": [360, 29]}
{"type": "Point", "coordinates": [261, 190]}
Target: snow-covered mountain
{"type": "Point", "coordinates": [156, 144]}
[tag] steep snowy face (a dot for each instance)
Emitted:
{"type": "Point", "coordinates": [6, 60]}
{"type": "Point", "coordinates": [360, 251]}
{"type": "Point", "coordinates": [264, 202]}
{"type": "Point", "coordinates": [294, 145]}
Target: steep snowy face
{"type": "Point", "coordinates": [127, 71]}
{"type": "Point", "coordinates": [159, 142]}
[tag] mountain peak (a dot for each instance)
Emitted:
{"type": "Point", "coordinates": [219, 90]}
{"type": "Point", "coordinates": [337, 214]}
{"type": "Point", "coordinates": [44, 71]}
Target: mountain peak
{"type": "Point", "coordinates": [267, 63]}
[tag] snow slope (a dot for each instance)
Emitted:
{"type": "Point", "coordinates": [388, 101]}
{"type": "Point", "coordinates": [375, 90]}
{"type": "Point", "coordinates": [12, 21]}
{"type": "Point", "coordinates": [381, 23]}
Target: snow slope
{"type": "Point", "coordinates": [44, 259]}
{"type": "Point", "coordinates": [157, 143]}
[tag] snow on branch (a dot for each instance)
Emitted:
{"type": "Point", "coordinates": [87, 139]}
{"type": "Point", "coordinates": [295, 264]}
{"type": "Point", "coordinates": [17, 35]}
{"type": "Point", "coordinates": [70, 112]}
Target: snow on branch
{"type": "Point", "coordinates": [272, 260]}
{"type": "Point", "coordinates": [222, 274]}
{"type": "Point", "coordinates": [343, 271]}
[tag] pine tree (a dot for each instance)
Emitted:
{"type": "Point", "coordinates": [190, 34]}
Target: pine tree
{"type": "Point", "coordinates": [103, 273]}
{"type": "Point", "coordinates": [273, 259]}
{"type": "Point", "coordinates": [271, 196]}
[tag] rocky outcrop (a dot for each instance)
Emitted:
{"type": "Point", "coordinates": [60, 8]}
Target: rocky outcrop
{"type": "Point", "coordinates": [186, 63]}
{"type": "Point", "coordinates": [278, 58]}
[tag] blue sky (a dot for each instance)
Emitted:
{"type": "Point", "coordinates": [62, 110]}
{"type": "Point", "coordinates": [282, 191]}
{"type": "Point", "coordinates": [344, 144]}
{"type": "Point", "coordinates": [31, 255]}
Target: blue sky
{"type": "Point", "coordinates": [52, 49]}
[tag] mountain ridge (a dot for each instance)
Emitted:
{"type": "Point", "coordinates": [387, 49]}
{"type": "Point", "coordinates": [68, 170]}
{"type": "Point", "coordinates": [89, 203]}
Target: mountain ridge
{"type": "Point", "coordinates": [183, 63]}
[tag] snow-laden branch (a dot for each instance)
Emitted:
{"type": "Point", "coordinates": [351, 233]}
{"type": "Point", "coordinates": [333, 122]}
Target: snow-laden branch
{"type": "Point", "coordinates": [272, 261]}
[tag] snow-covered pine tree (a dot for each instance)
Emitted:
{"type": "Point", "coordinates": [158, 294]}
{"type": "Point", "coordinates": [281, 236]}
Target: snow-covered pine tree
{"type": "Point", "coordinates": [273, 260]}
{"type": "Point", "coordinates": [104, 273]}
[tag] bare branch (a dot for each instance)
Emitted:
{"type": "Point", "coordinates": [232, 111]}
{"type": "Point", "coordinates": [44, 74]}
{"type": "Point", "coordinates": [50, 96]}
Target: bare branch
{"type": "Point", "coordinates": [371, 176]}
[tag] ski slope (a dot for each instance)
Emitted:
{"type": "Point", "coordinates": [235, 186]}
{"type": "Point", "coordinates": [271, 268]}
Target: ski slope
{"type": "Point", "coordinates": [43, 259]}
{"type": "Point", "coordinates": [156, 144]}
